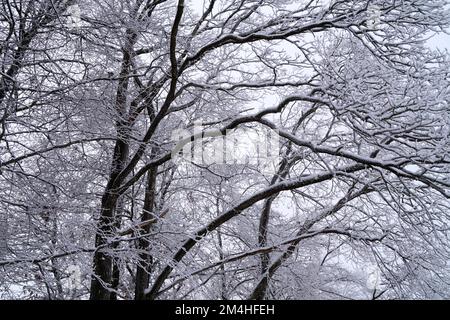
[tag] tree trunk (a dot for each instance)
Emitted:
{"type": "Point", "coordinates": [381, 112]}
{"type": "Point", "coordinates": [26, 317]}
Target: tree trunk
{"type": "Point", "coordinates": [101, 281]}
{"type": "Point", "coordinates": [103, 265]}
{"type": "Point", "coordinates": [144, 265]}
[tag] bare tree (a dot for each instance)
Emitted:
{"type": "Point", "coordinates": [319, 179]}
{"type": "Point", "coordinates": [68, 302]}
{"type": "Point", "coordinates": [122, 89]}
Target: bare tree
{"type": "Point", "coordinates": [92, 177]}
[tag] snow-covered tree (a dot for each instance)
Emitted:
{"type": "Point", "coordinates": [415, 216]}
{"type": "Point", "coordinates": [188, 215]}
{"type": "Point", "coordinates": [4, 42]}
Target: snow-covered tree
{"type": "Point", "coordinates": [111, 189]}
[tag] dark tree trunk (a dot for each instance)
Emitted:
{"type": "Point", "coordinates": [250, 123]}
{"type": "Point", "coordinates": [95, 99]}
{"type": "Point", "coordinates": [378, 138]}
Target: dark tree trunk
{"type": "Point", "coordinates": [101, 279]}
{"type": "Point", "coordinates": [115, 279]}
{"type": "Point", "coordinates": [101, 282]}
{"type": "Point", "coordinates": [116, 260]}
{"type": "Point", "coordinates": [263, 230]}
{"type": "Point", "coordinates": [144, 265]}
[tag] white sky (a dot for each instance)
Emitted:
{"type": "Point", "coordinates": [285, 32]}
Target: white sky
{"type": "Point", "coordinates": [440, 41]}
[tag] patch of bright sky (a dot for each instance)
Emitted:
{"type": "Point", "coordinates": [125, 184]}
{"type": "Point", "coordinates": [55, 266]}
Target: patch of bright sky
{"type": "Point", "coordinates": [440, 41]}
